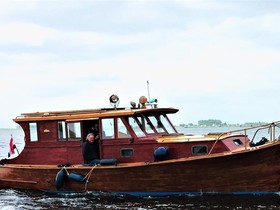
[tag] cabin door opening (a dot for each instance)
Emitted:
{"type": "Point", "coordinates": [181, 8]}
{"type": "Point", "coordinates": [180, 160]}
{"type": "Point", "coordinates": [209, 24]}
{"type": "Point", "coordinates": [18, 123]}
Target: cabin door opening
{"type": "Point", "coordinates": [91, 126]}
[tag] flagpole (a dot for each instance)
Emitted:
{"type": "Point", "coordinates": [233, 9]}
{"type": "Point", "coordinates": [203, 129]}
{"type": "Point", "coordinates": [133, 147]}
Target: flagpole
{"type": "Point", "coordinates": [16, 149]}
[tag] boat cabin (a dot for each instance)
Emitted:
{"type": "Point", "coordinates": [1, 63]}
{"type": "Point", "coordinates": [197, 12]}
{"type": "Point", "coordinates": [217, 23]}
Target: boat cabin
{"type": "Point", "coordinates": [135, 134]}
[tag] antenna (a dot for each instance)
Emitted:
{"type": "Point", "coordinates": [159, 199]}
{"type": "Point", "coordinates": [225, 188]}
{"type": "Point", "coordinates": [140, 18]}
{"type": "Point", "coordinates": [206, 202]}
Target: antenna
{"type": "Point", "coordinates": [148, 89]}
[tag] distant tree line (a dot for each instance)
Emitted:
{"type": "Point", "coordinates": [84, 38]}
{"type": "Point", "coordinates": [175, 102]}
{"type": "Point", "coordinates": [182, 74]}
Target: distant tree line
{"type": "Point", "coordinates": [219, 123]}
{"type": "Point", "coordinates": [210, 122]}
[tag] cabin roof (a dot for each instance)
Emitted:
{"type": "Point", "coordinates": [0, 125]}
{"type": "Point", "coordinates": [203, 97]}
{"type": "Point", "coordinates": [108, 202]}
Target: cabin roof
{"type": "Point", "coordinates": [85, 114]}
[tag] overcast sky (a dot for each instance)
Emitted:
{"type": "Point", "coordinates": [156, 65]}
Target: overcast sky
{"type": "Point", "coordinates": [212, 59]}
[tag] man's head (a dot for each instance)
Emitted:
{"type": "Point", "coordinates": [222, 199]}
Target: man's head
{"type": "Point", "coordinates": [90, 137]}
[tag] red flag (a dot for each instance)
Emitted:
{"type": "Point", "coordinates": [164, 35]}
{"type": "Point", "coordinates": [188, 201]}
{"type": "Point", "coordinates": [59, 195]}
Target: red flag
{"type": "Point", "coordinates": [12, 149]}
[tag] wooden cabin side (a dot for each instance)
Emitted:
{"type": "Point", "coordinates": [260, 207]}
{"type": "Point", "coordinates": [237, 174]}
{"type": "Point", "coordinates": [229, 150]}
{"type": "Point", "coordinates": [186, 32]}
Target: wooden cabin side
{"type": "Point", "coordinates": [54, 138]}
{"type": "Point", "coordinates": [135, 139]}
{"type": "Point", "coordinates": [128, 136]}
{"type": "Point", "coordinates": [45, 145]}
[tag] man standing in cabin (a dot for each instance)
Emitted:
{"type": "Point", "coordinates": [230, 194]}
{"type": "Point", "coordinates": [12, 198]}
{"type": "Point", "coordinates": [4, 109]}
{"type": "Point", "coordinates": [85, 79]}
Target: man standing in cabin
{"type": "Point", "coordinates": [90, 150]}
{"type": "Point", "coordinates": [95, 131]}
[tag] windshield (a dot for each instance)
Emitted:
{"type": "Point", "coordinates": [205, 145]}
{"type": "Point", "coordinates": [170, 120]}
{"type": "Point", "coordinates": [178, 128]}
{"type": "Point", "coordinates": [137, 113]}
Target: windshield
{"type": "Point", "coordinates": [135, 125]}
{"type": "Point", "coordinates": [158, 124]}
{"type": "Point", "coordinates": [166, 123]}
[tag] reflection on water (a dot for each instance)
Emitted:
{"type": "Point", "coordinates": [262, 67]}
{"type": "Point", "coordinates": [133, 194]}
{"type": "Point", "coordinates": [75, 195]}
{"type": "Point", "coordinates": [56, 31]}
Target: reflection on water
{"type": "Point", "coordinates": [12, 199]}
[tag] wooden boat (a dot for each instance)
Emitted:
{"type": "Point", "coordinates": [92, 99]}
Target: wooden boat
{"type": "Point", "coordinates": [141, 153]}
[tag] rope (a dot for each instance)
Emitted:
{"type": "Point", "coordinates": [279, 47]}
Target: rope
{"type": "Point", "coordinates": [65, 170]}
{"type": "Point", "coordinates": [88, 176]}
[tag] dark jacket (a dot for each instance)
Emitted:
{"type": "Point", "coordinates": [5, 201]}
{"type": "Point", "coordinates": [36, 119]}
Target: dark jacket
{"type": "Point", "coordinates": [90, 151]}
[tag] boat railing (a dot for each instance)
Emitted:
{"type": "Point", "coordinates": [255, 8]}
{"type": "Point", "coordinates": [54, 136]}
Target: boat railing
{"type": "Point", "coordinates": [256, 130]}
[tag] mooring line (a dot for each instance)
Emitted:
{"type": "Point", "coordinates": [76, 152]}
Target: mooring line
{"type": "Point", "coordinates": [88, 176]}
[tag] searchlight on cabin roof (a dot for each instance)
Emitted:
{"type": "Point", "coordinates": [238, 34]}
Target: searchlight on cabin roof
{"type": "Point", "coordinates": [114, 100]}
{"type": "Point", "coordinates": [143, 102]}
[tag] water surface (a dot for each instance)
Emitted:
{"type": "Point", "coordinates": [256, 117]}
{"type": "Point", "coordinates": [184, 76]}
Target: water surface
{"type": "Point", "coordinates": [13, 199]}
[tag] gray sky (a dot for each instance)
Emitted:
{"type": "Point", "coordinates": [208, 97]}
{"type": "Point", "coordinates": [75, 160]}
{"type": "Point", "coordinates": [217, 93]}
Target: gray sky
{"type": "Point", "coordinates": [211, 59]}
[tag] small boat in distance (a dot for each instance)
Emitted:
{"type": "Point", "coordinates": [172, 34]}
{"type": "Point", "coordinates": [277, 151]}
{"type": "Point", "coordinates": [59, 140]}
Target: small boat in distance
{"type": "Point", "coordinates": [141, 153]}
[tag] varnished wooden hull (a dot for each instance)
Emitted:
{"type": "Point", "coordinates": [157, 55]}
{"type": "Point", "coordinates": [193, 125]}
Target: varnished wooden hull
{"type": "Point", "coordinates": [255, 170]}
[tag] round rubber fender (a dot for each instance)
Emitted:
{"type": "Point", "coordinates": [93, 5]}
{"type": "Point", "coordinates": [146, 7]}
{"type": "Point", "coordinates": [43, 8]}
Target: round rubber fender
{"type": "Point", "coordinates": [60, 179]}
{"type": "Point", "coordinates": [76, 177]}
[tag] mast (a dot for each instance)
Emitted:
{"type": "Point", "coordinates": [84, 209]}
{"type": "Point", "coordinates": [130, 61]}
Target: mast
{"type": "Point", "coordinates": [148, 89]}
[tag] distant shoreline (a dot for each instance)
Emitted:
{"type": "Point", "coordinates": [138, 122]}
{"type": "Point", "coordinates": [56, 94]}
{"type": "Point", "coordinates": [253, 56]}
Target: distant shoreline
{"type": "Point", "coordinates": [209, 126]}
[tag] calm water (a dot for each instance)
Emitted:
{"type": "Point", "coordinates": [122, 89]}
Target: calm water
{"type": "Point", "coordinates": [15, 199]}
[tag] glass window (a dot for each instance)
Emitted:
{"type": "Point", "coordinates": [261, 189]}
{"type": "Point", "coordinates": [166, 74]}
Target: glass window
{"type": "Point", "coordinates": [157, 124]}
{"type": "Point", "coordinates": [127, 153]}
{"type": "Point", "coordinates": [122, 131]}
{"type": "Point", "coordinates": [237, 142]}
{"type": "Point", "coordinates": [108, 128]}
{"type": "Point", "coordinates": [61, 130]}
{"type": "Point", "coordinates": [148, 126]}
{"type": "Point", "coordinates": [166, 124]}
{"type": "Point", "coordinates": [74, 130]}
{"type": "Point", "coordinates": [199, 150]}
{"type": "Point", "coordinates": [135, 126]}
{"type": "Point", "coordinates": [33, 131]}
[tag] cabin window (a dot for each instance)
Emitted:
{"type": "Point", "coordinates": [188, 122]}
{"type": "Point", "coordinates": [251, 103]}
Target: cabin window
{"type": "Point", "coordinates": [148, 126]}
{"type": "Point", "coordinates": [61, 130]}
{"type": "Point", "coordinates": [74, 130]}
{"type": "Point", "coordinates": [166, 124]}
{"type": "Point", "coordinates": [127, 153]}
{"type": "Point", "coordinates": [157, 124]}
{"type": "Point", "coordinates": [122, 130]}
{"type": "Point", "coordinates": [237, 142]}
{"type": "Point", "coordinates": [199, 150]}
{"type": "Point", "coordinates": [33, 131]}
{"type": "Point", "coordinates": [135, 126]}
{"type": "Point", "coordinates": [108, 128]}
